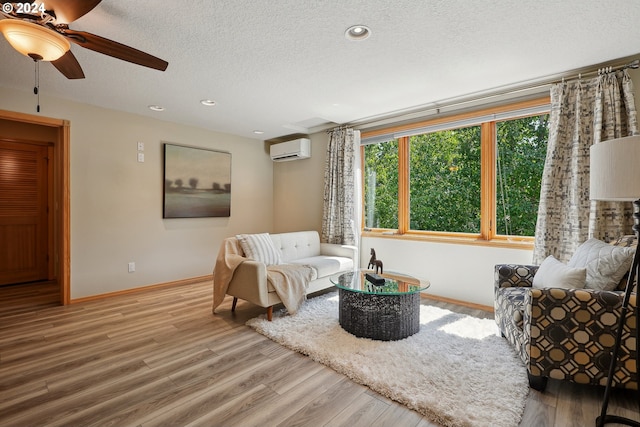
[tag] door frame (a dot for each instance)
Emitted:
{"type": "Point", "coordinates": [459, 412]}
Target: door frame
{"type": "Point", "coordinates": [61, 196]}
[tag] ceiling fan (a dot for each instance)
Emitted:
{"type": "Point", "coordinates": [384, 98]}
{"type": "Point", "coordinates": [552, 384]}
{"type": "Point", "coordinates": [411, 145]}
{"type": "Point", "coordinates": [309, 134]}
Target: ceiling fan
{"type": "Point", "coordinates": [30, 26]}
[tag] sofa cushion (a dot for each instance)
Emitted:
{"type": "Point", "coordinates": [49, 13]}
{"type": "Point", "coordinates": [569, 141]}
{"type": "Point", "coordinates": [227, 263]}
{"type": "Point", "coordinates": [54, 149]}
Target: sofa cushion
{"type": "Point", "coordinates": [628, 240]}
{"type": "Point", "coordinates": [297, 244]}
{"type": "Point", "coordinates": [555, 274]}
{"type": "Point", "coordinates": [260, 247]}
{"type": "Point", "coordinates": [605, 263]}
{"type": "Point", "coordinates": [326, 265]}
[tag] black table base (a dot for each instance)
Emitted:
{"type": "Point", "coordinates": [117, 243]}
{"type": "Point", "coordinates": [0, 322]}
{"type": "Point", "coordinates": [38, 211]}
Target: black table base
{"type": "Point", "coordinates": [379, 317]}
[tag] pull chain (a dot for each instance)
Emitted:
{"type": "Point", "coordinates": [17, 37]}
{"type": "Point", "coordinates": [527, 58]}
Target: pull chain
{"type": "Point", "coordinates": [36, 88]}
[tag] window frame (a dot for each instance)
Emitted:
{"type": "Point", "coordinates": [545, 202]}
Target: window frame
{"type": "Point", "coordinates": [486, 118]}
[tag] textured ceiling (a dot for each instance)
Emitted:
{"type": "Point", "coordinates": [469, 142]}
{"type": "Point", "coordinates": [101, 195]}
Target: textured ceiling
{"type": "Point", "coordinates": [284, 66]}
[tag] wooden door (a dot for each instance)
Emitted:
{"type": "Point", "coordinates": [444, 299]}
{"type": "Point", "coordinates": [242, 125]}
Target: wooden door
{"type": "Point", "coordinates": [23, 212]}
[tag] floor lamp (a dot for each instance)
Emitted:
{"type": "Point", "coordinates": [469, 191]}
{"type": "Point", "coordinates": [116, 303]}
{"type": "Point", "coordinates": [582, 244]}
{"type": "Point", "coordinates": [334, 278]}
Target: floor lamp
{"type": "Point", "coordinates": [615, 176]}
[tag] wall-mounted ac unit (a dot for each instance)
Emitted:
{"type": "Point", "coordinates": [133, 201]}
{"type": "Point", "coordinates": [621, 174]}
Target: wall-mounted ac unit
{"type": "Point", "coordinates": [291, 150]}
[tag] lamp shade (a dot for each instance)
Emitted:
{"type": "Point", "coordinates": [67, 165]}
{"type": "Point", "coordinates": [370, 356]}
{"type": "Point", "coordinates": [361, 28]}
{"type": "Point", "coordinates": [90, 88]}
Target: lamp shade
{"type": "Point", "coordinates": [32, 39]}
{"type": "Point", "coordinates": [615, 169]}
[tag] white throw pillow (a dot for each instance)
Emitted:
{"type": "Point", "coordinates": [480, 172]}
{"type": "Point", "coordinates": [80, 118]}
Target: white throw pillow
{"type": "Point", "coordinates": [260, 247]}
{"type": "Point", "coordinates": [605, 263]}
{"type": "Point", "coordinates": [554, 274]}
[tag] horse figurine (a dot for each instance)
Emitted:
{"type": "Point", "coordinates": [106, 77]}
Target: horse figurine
{"type": "Point", "coordinates": [373, 262]}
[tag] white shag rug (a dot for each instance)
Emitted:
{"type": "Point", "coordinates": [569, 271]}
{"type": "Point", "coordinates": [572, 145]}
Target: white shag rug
{"type": "Point", "coordinates": [456, 371]}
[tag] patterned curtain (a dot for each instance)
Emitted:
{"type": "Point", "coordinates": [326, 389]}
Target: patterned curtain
{"type": "Point", "coordinates": [583, 112]}
{"type": "Point", "coordinates": [340, 217]}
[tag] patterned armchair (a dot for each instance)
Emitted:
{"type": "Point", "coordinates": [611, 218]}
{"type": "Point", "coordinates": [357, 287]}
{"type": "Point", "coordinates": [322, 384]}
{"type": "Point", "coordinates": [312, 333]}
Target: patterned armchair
{"type": "Point", "coordinates": [564, 334]}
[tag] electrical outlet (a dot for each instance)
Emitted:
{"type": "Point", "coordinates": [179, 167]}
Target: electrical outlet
{"type": "Point", "coordinates": [140, 146]}
{"type": "Point", "coordinates": [141, 157]}
{"type": "Point", "coordinates": [132, 267]}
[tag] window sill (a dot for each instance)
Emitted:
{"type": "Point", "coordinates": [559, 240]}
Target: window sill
{"type": "Point", "coordinates": [456, 240]}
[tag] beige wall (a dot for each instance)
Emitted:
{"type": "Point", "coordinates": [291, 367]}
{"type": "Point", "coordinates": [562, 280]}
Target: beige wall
{"type": "Point", "coordinates": [298, 189]}
{"type": "Point", "coordinates": [116, 202]}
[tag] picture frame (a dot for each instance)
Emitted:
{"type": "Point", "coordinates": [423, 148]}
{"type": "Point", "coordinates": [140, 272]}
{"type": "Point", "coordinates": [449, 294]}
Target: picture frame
{"type": "Point", "coordinates": [197, 182]}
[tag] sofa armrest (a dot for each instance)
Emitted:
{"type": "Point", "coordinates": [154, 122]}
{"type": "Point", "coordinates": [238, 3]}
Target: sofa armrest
{"type": "Point", "coordinates": [251, 268]}
{"type": "Point", "coordinates": [249, 282]}
{"type": "Point", "coordinates": [591, 303]}
{"type": "Point", "coordinates": [514, 275]}
{"type": "Point", "coordinates": [571, 330]}
{"type": "Point", "coordinates": [346, 251]}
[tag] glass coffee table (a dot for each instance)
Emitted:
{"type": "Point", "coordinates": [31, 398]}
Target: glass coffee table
{"type": "Point", "coordinates": [386, 311]}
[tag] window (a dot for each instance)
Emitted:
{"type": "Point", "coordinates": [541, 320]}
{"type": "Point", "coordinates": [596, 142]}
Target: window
{"type": "Point", "coordinates": [381, 185]}
{"type": "Point", "coordinates": [444, 181]}
{"type": "Point", "coordinates": [472, 176]}
{"type": "Point", "coordinates": [521, 150]}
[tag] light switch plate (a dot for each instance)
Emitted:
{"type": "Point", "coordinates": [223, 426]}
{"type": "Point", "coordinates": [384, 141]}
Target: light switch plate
{"type": "Point", "coordinates": [141, 157]}
{"type": "Point", "coordinates": [140, 146]}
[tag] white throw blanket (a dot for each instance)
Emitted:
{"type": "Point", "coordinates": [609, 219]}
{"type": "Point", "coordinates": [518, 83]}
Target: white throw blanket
{"type": "Point", "coordinates": [290, 282]}
{"type": "Point", "coordinates": [230, 256]}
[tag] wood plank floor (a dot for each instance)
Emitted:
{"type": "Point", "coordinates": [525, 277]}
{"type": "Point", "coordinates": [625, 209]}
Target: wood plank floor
{"type": "Point", "coordinates": [160, 358]}
{"type": "Point", "coordinates": [26, 297]}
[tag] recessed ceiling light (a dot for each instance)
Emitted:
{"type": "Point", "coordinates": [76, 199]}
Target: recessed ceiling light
{"type": "Point", "coordinates": [357, 32]}
{"type": "Point", "coordinates": [208, 102]}
{"type": "Point", "coordinates": [156, 108]}
{"type": "Point", "coordinates": [258, 132]}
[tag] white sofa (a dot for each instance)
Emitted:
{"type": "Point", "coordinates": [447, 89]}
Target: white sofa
{"type": "Point", "coordinates": [249, 281]}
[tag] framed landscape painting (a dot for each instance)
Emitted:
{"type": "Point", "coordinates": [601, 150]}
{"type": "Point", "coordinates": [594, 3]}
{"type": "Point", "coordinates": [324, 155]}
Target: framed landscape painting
{"type": "Point", "coordinates": [197, 182]}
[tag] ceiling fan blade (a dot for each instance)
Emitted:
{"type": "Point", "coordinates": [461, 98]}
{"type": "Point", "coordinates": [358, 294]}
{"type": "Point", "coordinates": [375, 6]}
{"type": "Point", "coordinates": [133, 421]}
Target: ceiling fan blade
{"type": "Point", "coordinates": [114, 49]}
{"type": "Point", "coordinates": [67, 11]}
{"type": "Point", "coordinates": [68, 65]}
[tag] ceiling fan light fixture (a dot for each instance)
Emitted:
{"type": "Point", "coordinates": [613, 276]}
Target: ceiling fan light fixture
{"type": "Point", "coordinates": [34, 40]}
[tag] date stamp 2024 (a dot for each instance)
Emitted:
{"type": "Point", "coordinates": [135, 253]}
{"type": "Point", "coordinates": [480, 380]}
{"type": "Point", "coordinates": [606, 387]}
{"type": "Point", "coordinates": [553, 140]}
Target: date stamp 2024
{"type": "Point", "coordinates": [24, 8]}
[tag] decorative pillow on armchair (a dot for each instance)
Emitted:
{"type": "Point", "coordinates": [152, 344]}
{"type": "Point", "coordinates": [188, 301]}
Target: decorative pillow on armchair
{"type": "Point", "coordinates": [554, 274]}
{"type": "Point", "coordinates": [605, 263]}
{"type": "Point", "coordinates": [260, 247]}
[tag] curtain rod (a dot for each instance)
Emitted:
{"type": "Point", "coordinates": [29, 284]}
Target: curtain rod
{"type": "Point", "coordinates": [337, 128]}
{"type": "Point", "coordinates": [604, 70]}
{"type": "Point", "coordinates": [523, 87]}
